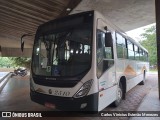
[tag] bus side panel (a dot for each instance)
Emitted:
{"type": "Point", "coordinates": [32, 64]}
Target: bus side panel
{"type": "Point", "coordinates": [120, 66]}
{"type": "Point", "coordinates": [134, 81]}
{"type": "Point", "coordinates": [107, 88]}
{"type": "Point", "coordinates": [133, 71]}
{"type": "Point", "coordinates": [106, 97]}
{"type": "Point", "coordinates": [139, 73]}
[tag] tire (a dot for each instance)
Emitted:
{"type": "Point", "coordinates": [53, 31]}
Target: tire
{"type": "Point", "coordinates": [119, 96]}
{"type": "Point", "coordinates": [144, 78]}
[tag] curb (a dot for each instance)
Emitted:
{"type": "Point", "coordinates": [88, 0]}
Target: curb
{"type": "Point", "coordinates": [4, 77]}
{"type": "Point", "coordinates": [4, 81]}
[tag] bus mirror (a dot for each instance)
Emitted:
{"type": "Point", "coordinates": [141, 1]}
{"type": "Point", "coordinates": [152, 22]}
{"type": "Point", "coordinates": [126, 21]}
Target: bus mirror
{"type": "Point", "coordinates": [22, 43]}
{"type": "Point", "coordinates": [108, 39]}
{"type": "Point", "coordinates": [22, 46]}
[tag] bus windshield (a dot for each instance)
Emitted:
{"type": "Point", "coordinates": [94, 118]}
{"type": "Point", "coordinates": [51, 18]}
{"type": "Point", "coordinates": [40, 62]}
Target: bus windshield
{"type": "Point", "coordinates": [64, 53]}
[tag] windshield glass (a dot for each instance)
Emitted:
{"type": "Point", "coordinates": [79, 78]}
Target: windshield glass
{"type": "Point", "coordinates": [64, 53]}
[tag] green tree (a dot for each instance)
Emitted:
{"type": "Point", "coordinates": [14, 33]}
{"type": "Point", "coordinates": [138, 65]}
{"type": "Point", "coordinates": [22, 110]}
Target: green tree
{"type": "Point", "coordinates": [5, 62]}
{"type": "Point", "coordinates": [21, 61]}
{"type": "Point", "coordinates": [149, 42]}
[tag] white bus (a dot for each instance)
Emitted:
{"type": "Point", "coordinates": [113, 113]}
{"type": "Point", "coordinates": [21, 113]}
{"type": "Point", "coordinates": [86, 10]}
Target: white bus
{"type": "Point", "coordinates": [82, 62]}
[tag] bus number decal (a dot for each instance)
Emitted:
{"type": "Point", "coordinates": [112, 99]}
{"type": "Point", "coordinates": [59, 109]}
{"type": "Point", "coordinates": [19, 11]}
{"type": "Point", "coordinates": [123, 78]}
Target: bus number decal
{"type": "Point", "coordinates": [61, 93]}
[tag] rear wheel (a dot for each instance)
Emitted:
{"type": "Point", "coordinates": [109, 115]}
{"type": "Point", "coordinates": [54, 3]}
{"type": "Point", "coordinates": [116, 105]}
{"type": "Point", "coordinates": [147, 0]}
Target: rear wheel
{"type": "Point", "coordinates": [119, 96]}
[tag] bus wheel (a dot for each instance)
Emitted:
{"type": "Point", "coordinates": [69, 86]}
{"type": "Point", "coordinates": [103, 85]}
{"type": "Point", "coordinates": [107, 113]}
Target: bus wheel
{"type": "Point", "coordinates": [143, 81]}
{"type": "Point", "coordinates": [119, 95]}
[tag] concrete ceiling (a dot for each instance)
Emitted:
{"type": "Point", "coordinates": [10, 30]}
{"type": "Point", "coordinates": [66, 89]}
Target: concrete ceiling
{"type": "Point", "coordinates": [126, 14]}
{"type": "Point", "coordinates": [18, 17]}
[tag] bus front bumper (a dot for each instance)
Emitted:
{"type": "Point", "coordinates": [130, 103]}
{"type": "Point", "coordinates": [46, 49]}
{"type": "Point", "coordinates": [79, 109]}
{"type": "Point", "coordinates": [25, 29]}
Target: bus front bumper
{"type": "Point", "coordinates": [87, 103]}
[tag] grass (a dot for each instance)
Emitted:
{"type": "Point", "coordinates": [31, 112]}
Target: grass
{"type": "Point", "coordinates": [153, 70]}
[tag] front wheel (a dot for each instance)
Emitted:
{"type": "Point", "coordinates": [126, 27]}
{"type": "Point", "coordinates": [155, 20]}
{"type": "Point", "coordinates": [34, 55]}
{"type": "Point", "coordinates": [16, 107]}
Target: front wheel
{"type": "Point", "coordinates": [118, 96]}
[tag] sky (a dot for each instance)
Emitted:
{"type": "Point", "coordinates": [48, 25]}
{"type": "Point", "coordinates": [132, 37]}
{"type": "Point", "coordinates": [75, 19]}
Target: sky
{"type": "Point", "coordinates": [135, 34]}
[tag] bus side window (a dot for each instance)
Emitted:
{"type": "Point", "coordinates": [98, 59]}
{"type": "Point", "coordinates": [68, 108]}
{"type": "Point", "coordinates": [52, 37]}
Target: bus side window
{"type": "Point", "coordinates": [100, 46]}
{"type": "Point", "coordinates": [104, 52]}
{"type": "Point", "coordinates": [108, 52]}
{"type": "Point", "coordinates": [130, 48]}
{"type": "Point", "coordinates": [121, 46]}
{"type": "Point", "coordinates": [108, 46]}
{"type": "Point", "coordinates": [136, 51]}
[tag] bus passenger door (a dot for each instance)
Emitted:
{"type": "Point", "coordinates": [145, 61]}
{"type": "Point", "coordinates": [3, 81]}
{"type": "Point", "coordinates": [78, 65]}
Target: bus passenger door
{"type": "Point", "coordinates": [105, 66]}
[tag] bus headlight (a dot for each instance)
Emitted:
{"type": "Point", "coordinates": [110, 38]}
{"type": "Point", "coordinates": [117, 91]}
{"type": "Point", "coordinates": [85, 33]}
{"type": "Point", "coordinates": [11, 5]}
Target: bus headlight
{"type": "Point", "coordinates": [84, 89]}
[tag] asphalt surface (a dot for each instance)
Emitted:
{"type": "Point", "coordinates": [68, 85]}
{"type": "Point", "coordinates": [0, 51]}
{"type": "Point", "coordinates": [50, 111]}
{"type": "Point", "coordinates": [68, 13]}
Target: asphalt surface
{"type": "Point", "coordinates": [15, 97]}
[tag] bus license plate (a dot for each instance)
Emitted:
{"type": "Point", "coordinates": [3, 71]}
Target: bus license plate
{"type": "Point", "coordinates": [50, 105]}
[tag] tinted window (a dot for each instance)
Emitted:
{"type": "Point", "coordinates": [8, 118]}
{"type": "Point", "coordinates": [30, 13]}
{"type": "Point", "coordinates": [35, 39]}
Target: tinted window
{"type": "Point", "coordinates": [66, 53]}
{"type": "Point", "coordinates": [104, 54]}
{"type": "Point", "coordinates": [121, 46]}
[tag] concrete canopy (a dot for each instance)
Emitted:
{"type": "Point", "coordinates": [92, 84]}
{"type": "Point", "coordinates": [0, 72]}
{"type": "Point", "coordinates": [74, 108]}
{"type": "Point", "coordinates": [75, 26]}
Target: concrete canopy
{"type": "Point", "coordinates": [18, 17]}
{"type": "Point", "coordinates": [126, 14]}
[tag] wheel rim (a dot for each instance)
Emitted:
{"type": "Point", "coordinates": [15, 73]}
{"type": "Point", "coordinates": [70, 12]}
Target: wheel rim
{"type": "Point", "coordinates": [119, 94]}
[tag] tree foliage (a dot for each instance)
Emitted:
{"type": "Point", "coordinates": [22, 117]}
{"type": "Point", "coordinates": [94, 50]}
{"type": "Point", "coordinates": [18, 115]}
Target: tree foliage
{"type": "Point", "coordinates": [15, 62]}
{"type": "Point", "coordinates": [21, 61]}
{"type": "Point", "coordinates": [149, 42]}
{"type": "Point", "coordinates": [5, 62]}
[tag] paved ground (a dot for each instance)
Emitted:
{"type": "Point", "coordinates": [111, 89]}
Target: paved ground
{"type": "Point", "coordinates": [15, 97]}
